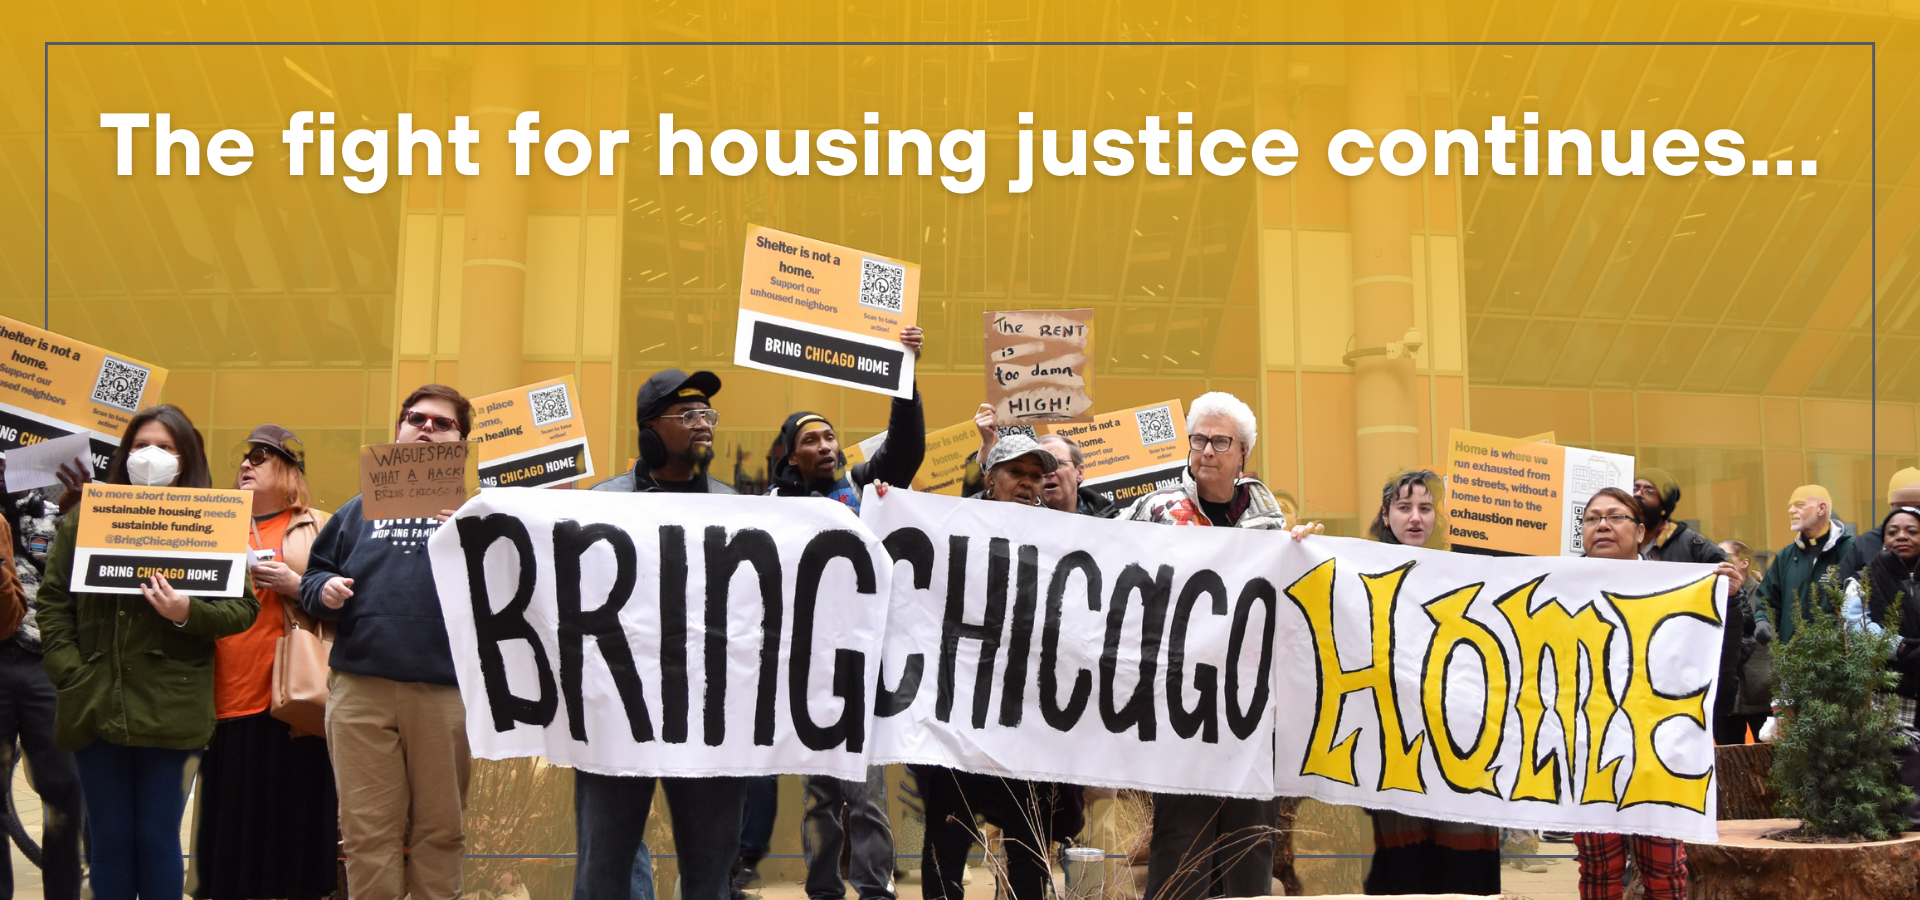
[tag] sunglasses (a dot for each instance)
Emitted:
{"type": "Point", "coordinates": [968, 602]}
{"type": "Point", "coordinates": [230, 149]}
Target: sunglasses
{"type": "Point", "coordinates": [429, 423]}
{"type": "Point", "coordinates": [259, 455]}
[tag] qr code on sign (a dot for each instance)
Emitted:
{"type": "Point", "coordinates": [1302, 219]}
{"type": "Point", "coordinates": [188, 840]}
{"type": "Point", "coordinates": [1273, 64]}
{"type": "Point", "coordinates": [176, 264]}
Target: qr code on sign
{"type": "Point", "coordinates": [550, 405]}
{"type": "Point", "coordinates": [120, 384]}
{"type": "Point", "coordinates": [883, 285]}
{"type": "Point", "coordinates": [1156, 425]}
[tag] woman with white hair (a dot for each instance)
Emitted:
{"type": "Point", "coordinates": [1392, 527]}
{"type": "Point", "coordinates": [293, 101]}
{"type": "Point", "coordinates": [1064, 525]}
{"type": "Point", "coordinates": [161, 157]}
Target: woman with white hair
{"type": "Point", "coordinates": [1198, 841]}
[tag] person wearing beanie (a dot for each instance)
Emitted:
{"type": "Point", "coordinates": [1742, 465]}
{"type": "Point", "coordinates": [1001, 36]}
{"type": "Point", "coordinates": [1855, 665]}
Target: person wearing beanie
{"type": "Point", "coordinates": [1903, 489]}
{"type": "Point", "coordinates": [1669, 539]}
{"type": "Point", "coordinates": [1799, 566]}
{"type": "Point", "coordinates": [808, 463]}
{"type": "Point", "coordinates": [676, 417]}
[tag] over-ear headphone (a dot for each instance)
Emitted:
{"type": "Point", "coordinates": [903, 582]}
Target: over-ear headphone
{"type": "Point", "coordinates": [653, 450]}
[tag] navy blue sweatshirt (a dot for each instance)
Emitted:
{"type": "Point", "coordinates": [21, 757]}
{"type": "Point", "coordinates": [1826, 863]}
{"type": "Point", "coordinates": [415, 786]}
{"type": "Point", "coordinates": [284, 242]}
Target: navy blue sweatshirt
{"type": "Point", "coordinates": [391, 627]}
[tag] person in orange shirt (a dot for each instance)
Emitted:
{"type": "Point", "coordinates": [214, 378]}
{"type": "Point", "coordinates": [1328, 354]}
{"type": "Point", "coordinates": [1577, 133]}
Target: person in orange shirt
{"type": "Point", "coordinates": [268, 823]}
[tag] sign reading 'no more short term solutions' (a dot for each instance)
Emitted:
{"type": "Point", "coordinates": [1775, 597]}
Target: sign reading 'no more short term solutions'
{"type": "Point", "coordinates": [415, 480]}
{"type": "Point", "coordinates": [532, 436]}
{"type": "Point", "coordinates": [52, 386]}
{"type": "Point", "coordinates": [195, 538]}
{"type": "Point", "coordinates": [826, 312]}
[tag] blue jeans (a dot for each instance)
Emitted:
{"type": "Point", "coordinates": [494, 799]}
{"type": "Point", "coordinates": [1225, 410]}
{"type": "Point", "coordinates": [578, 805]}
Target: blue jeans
{"type": "Point", "coordinates": [610, 813]}
{"type": "Point", "coordinates": [135, 797]}
{"type": "Point", "coordinates": [642, 871]}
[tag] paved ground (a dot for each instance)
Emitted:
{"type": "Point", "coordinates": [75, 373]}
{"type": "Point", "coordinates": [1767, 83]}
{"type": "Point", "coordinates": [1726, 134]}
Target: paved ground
{"type": "Point", "coordinates": [1558, 882]}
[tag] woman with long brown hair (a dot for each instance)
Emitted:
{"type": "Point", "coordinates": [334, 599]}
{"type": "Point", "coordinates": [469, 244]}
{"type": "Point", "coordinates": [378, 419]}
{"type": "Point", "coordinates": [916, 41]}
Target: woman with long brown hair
{"type": "Point", "coordinates": [267, 822]}
{"type": "Point", "coordinates": [135, 677]}
{"type": "Point", "coordinates": [1416, 854]}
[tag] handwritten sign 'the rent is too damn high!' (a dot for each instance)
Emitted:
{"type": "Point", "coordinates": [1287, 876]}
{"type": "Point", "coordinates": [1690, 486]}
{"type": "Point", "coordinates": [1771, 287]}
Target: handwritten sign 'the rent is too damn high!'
{"type": "Point", "coordinates": [1038, 369]}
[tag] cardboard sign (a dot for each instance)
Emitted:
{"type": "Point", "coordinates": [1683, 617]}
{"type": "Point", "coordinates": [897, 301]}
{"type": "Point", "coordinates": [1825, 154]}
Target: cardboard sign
{"type": "Point", "coordinates": [944, 469]}
{"type": "Point", "coordinates": [1132, 452]}
{"type": "Point", "coordinates": [1037, 365]}
{"type": "Point", "coordinates": [1520, 495]}
{"type": "Point", "coordinates": [532, 436]}
{"type": "Point", "coordinates": [826, 312]}
{"type": "Point", "coordinates": [416, 480]}
{"type": "Point", "coordinates": [195, 538]}
{"type": "Point", "coordinates": [52, 386]}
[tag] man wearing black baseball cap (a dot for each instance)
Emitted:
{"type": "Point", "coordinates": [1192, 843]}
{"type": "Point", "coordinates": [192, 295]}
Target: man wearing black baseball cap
{"type": "Point", "coordinates": [676, 418]}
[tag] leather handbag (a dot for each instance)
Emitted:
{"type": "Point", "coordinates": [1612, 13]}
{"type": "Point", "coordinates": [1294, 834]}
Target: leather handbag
{"type": "Point", "coordinates": [300, 673]}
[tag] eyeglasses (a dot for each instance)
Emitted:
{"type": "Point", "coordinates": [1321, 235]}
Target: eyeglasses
{"type": "Point", "coordinates": [693, 417]}
{"type": "Point", "coordinates": [1221, 442]}
{"type": "Point", "coordinates": [426, 422]}
{"type": "Point", "coordinates": [1617, 520]}
{"type": "Point", "coordinates": [258, 456]}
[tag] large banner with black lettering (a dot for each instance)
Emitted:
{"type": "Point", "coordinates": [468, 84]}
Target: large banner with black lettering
{"type": "Point", "coordinates": [1049, 646]}
{"type": "Point", "coordinates": [1535, 692]}
{"type": "Point", "coordinates": [665, 634]}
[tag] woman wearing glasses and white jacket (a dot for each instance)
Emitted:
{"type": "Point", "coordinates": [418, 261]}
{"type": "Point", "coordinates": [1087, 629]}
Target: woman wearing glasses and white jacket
{"type": "Point", "coordinates": [395, 722]}
{"type": "Point", "coordinates": [267, 825]}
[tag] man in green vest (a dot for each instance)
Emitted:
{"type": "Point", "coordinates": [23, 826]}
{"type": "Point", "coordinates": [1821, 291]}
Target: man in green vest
{"type": "Point", "coordinates": [1799, 566]}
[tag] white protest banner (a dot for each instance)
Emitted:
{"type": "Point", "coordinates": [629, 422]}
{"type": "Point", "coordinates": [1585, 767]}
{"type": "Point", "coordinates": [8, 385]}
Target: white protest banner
{"type": "Point", "coordinates": [667, 635]}
{"type": "Point", "coordinates": [1554, 693]}
{"type": "Point", "coordinates": [1026, 642]}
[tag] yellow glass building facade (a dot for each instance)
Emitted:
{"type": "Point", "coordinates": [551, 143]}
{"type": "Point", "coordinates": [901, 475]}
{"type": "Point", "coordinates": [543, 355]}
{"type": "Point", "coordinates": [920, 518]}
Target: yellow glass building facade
{"type": "Point", "coordinates": [1716, 326]}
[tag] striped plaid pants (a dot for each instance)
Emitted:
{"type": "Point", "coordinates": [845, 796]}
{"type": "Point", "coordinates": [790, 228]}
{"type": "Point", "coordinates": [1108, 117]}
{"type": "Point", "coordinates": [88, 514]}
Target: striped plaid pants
{"type": "Point", "coordinates": [1662, 863]}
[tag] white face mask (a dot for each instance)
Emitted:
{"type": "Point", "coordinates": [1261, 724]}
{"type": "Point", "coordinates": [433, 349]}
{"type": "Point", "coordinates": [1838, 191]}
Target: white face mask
{"type": "Point", "coordinates": [152, 466]}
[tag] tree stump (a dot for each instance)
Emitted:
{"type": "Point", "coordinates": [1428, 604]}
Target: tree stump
{"type": "Point", "coordinates": [1744, 865]}
{"type": "Point", "coordinates": [1742, 771]}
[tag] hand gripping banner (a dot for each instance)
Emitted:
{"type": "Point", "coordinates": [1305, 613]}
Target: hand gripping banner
{"type": "Point", "coordinates": [661, 634]}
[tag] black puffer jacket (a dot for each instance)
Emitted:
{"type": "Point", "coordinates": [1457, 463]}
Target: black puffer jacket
{"type": "Point", "coordinates": [1892, 581]}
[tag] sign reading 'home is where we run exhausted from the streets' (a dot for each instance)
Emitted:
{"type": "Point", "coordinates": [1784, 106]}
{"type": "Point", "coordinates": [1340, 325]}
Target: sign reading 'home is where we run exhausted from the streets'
{"type": "Point", "coordinates": [532, 436]}
{"type": "Point", "coordinates": [415, 480]}
{"type": "Point", "coordinates": [52, 386]}
{"type": "Point", "coordinates": [826, 312]}
{"type": "Point", "coordinates": [195, 538]}
{"type": "Point", "coordinates": [1524, 495]}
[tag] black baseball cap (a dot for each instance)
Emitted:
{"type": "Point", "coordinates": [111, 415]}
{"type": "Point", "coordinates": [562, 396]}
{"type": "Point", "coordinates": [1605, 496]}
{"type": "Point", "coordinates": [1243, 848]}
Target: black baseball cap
{"type": "Point", "coordinates": [670, 386]}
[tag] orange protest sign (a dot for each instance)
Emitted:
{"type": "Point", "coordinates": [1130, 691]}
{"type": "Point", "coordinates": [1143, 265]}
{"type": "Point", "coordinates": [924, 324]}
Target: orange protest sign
{"type": "Point", "coordinates": [1131, 452]}
{"type": "Point", "coordinates": [195, 538]}
{"type": "Point", "coordinates": [826, 312]}
{"type": "Point", "coordinates": [416, 480]}
{"type": "Point", "coordinates": [944, 469]}
{"type": "Point", "coordinates": [52, 386]}
{"type": "Point", "coordinates": [1523, 495]}
{"type": "Point", "coordinates": [1037, 365]}
{"type": "Point", "coordinates": [532, 436]}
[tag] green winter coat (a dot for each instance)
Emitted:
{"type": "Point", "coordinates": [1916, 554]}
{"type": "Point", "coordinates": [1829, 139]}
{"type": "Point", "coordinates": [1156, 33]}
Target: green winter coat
{"type": "Point", "coordinates": [1793, 573]}
{"type": "Point", "coordinates": [125, 674]}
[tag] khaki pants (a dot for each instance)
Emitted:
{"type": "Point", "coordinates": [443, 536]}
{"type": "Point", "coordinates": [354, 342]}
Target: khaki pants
{"type": "Point", "coordinates": [400, 761]}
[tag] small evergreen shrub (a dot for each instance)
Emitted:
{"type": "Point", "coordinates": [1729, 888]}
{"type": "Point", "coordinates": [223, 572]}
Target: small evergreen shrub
{"type": "Point", "coordinates": [1833, 762]}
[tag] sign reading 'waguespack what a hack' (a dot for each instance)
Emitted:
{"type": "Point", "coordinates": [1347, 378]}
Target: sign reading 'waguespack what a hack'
{"type": "Point", "coordinates": [416, 479]}
{"type": "Point", "coordinates": [194, 538]}
{"type": "Point", "coordinates": [826, 312]}
{"type": "Point", "coordinates": [682, 635]}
